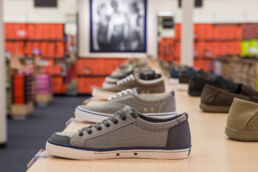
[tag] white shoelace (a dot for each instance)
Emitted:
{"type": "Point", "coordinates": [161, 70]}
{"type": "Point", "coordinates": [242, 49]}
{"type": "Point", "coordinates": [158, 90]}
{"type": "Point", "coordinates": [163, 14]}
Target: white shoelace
{"type": "Point", "coordinates": [120, 94]}
{"type": "Point", "coordinates": [128, 78]}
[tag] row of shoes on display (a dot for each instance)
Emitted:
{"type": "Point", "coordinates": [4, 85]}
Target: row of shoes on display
{"type": "Point", "coordinates": [138, 120]}
{"type": "Point", "coordinates": [220, 95]}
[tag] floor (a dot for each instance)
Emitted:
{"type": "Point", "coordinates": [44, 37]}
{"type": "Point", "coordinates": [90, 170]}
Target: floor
{"type": "Point", "coordinates": [27, 137]}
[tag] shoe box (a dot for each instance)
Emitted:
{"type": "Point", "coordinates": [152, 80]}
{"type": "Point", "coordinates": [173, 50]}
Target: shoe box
{"type": "Point", "coordinates": [58, 84]}
{"type": "Point", "coordinates": [91, 72]}
{"type": "Point", "coordinates": [22, 88]}
{"type": "Point", "coordinates": [43, 84]}
{"type": "Point", "coordinates": [212, 41]}
{"type": "Point", "coordinates": [24, 38]}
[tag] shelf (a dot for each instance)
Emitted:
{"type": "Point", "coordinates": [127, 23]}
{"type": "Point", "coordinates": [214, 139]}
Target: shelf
{"type": "Point", "coordinates": [39, 40]}
{"type": "Point", "coordinates": [197, 58]}
{"type": "Point", "coordinates": [92, 75]}
{"type": "Point", "coordinates": [53, 57]}
{"type": "Point", "coordinates": [213, 39]}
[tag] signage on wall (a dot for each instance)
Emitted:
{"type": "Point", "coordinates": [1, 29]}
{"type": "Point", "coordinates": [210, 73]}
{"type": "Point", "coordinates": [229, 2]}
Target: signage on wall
{"type": "Point", "coordinates": [45, 3]}
{"type": "Point", "coordinates": [197, 3]}
{"type": "Point", "coordinates": [168, 22]}
{"type": "Point", "coordinates": [118, 25]}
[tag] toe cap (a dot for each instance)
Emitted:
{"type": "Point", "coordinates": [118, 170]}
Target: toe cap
{"type": "Point", "coordinates": [59, 139]}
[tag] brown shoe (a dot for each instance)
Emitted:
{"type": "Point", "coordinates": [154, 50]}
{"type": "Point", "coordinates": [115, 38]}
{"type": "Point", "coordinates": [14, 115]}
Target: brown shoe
{"type": "Point", "coordinates": [218, 100]}
{"type": "Point", "coordinates": [242, 122]}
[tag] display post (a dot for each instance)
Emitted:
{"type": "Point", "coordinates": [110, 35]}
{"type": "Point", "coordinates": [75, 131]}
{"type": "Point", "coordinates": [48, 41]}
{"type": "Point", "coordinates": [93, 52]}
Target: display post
{"type": "Point", "coordinates": [3, 135]}
{"type": "Point", "coordinates": [187, 57]}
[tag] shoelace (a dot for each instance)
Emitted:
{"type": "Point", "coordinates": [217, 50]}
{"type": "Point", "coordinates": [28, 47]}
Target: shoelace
{"type": "Point", "coordinates": [128, 78]}
{"type": "Point", "coordinates": [120, 94]}
{"type": "Point", "coordinates": [114, 119]}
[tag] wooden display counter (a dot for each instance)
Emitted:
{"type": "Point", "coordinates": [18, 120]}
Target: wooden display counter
{"type": "Point", "coordinates": [21, 111]}
{"type": "Point", "coordinates": [44, 99]}
{"type": "Point", "coordinates": [211, 151]}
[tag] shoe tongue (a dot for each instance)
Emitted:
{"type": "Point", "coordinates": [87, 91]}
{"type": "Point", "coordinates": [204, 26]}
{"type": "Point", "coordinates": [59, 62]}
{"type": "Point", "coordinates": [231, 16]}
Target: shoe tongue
{"type": "Point", "coordinates": [130, 111]}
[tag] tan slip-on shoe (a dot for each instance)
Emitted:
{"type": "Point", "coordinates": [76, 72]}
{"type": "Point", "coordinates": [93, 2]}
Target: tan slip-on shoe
{"type": "Point", "coordinates": [242, 122]}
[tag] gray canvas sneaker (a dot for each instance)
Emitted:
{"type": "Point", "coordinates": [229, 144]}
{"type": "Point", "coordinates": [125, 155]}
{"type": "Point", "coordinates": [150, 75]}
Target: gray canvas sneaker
{"type": "Point", "coordinates": [127, 134]}
{"type": "Point", "coordinates": [135, 71]}
{"type": "Point", "coordinates": [155, 85]}
{"type": "Point", "coordinates": [162, 106]}
{"type": "Point", "coordinates": [126, 69]}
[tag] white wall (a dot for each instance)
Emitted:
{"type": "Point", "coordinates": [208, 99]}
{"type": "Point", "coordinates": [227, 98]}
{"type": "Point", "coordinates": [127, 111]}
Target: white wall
{"type": "Point", "coordinates": [214, 11]}
{"type": "Point", "coordinates": [24, 11]}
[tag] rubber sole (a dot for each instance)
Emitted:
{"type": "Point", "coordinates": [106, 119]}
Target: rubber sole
{"type": "Point", "coordinates": [81, 154]}
{"type": "Point", "coordinates": [194, 94]}
{"type": "Point", "coordinates": [215, 109]}
{"type": "Point", "coordinates": [107, 85]}
{"type": "Point", "coordinates": [102, 94]}
{"type": "Point", "coordinates": [182, 87]}
{"type": "Point", "coordinates": [173, 81]}
{"type": "Point", "coordinates": [250, 136]}
{"type": "Point", "coordinates": [109, 79]}
{"type": "Point", "coordinates": [92, 116]}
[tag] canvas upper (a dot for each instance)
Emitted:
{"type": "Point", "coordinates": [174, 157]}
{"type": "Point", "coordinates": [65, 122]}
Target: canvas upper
{"type": "Point", "coordinates": [143, 104]}
{"type": "Point", "coordinates": [243, 116]}
{"type": "Point", "coordinates": [129, 129]}
{"type": "Point", "coordinates": [220, 97]}
{"type": "Point", "coordinates": [186, 75]}
{"type": "Point", "coordinates": [134, 81]}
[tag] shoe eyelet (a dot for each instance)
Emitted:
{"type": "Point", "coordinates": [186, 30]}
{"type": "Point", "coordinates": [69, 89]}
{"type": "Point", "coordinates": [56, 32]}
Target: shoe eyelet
{"type": "Point", "coordinates": [108, 125]}
{"type": "Point", "coordinates": [89, 132]}
{"type": "Point", "coordinates": [99, 128]}
{"type": "Point", "coordinates": [80, 134]}
{"type": "Point", "coordinates": [115, 122]}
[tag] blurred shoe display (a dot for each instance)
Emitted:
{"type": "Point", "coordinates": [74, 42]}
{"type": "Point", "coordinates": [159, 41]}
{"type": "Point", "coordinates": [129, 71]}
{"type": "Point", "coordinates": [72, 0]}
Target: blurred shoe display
{"type": "Point", "coordinates": [184, 78]}
{"type": "Point", "coordinates": [201, 78]}
{"type": "Point", "coordinates": [215, 99]}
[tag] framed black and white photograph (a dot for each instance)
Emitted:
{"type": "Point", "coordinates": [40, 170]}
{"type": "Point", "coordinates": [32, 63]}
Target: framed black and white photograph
{"type": "Point", "coordinates": [118, 25]}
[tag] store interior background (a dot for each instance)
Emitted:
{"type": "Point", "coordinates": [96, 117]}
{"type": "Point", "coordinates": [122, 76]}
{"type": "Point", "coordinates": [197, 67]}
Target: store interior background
{"type": "Point", "coordinates": [74, 70]}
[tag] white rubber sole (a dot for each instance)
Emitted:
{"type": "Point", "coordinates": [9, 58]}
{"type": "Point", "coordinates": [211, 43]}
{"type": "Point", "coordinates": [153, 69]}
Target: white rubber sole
{"type": "Point", "coordinates": [107, 85]}
{"type": "Point", "coordinates": [108, 79]}
{"type": "Point", "coordinates": [173, 81]}
{"type": "Point", "coordinates": [182, 87]}
{"type": "Point", "coordinates": [102, 94]}
{"type": "Point", "coordinates": [91, 116]}
{"type": "Point", "coordinates": [81, 154]}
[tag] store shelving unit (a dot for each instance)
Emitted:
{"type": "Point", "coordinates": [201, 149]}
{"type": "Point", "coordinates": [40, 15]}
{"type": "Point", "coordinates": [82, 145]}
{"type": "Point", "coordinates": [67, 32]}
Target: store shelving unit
{"type": "Point", "coordinates": [90, 75]}
{"type": "Point", "coordinates": [45, 39]}
{"type": "Point", "coordinates": [211, 41]}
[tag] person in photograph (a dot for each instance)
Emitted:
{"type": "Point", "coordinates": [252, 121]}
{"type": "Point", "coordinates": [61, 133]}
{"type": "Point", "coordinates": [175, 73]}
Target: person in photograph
{"type": "Point", "coordinates": [135, 25]}
{"type": "Point", "coordinates": [101, 41]}
{"type": "Point", "coordinates": [117, 27]}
